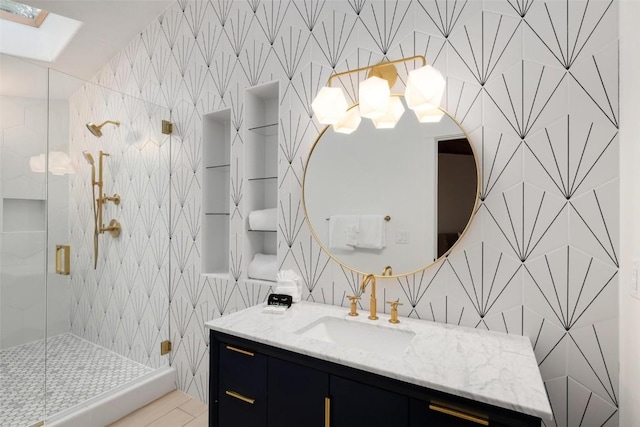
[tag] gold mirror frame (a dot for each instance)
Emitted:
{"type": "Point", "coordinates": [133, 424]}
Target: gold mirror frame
{"type": "Point", "coordinates": [380, 275]}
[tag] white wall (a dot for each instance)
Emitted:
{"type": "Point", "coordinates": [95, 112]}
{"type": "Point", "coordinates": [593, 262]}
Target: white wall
{"type": "Point", "coordinates": [629, 211]}
{"type": "Point", "coordinates": [552, 78]}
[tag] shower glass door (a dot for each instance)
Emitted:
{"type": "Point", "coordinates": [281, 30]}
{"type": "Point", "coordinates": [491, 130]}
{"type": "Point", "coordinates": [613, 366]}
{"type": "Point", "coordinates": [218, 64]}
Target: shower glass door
{"type": "Point", "coordinates": [108, 314]}
{"type": "Point", "coordinates": [23, 237]}
{"type": "Point", "coordinates": [83, 308]}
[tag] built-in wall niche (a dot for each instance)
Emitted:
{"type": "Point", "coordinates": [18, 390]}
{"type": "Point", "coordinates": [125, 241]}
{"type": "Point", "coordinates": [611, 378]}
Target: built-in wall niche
{"type": "Point", "coordinates": [261, 174]}
{"type": "Point", "coordinates": [23, 215]}
{"type": "Point", "coordinates": [216, 192]}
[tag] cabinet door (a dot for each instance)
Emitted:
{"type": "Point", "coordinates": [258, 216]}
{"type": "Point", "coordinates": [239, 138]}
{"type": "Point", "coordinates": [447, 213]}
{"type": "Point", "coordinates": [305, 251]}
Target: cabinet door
{"type": "Point", "coordinates": [296, 395]}
{"type": "Point", "coordinates": [354, 404]}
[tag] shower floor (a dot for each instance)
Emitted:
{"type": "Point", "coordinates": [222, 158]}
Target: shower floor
{"type": "Point", "coordinates": [76, 371]}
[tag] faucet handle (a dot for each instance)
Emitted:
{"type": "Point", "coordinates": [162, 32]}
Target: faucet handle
{"type": "Point", "coordinates": [354, 301]}
{"type": "Point", "coordinates": [394, 310]}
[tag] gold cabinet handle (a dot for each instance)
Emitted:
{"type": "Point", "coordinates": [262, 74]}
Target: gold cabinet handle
{"type": "Point", "coordinates": [239, 350]}
{"type": "Point", "coordinates": [459, 414]}
{"type": "Point", "coordinates": [327, 412]}
{"type": "Point", "coordinates": [240, 397]}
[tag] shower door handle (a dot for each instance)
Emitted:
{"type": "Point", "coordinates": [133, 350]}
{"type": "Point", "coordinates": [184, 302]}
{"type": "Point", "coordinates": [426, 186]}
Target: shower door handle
{"type": "Point", "coordinates": [63, 253]}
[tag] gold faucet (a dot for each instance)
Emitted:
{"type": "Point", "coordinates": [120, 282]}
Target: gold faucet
{"type": "Point", "coordinates": [372, 305]}
{"type": "Point", "coordinates": [394, 310]}
{"type": "Point", "coordinates": [354, 304]}
{"type": "Point", "coordinates": [388, 271]}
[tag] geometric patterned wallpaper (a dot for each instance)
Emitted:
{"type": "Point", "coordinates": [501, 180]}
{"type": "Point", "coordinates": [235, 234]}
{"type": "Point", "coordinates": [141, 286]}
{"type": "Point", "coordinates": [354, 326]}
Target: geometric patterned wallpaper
{"type": "Point", "coordinates": [123, 304]}
{"type": "Point", "coordinates": [534, 83]}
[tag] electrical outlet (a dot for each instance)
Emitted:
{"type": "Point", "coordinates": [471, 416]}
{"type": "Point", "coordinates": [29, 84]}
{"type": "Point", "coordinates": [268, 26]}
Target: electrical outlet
{"type": "Point", "coordinates": [634, 279]}
{"type": "Point", "coordinates": [402, 237]}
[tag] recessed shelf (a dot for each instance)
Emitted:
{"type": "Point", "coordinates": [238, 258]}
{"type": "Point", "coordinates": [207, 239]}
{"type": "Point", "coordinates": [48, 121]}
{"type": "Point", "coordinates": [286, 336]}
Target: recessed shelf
{"type": "Point", "coordinates": [217, 275]}
{"type": "Point", "coordinates": [216, 192]}
{"type": "Point", "coordinates": [266, 130]}
{"type": "Point", "coordinates": [262, 118]}
{"type": "Point", "coordinates": [260, 282]}
{"type": "Point", "coordinates": [263, 178]}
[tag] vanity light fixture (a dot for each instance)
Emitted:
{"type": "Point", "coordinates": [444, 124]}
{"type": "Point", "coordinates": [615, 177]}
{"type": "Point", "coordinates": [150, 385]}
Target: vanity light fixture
{"type": "Point", "coordinates": [423, 93]}
{"type": "Point", "coordinates": [388, 120]}
{"type": "Point", "coordinates": [350, 121]}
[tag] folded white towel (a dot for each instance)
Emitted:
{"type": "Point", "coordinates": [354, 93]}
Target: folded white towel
{"type": "Point", "coordinates": [371, 232]}
{"type": "Point", "coordinates": [263, 267]}
{"type": "Point", "coordinates": [263, 220]}
{"type": "Point", "coordinates": [342, 231]}
{"type": "Point", "coordinates": [289, 283]}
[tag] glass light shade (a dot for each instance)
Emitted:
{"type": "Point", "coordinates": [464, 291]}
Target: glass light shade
{"type": "Point", "coordinates": [59, 163]}
{"type": "Point", "coordinates": [37, 163]}
{"type": "Point", "coordinates": [429, 115]}
{"type": "Point", "coordinates": [330, 105]}
{"type": "Point", "coordinates": [425, 88]}
{"type": "Point", "coordinates": [392, 116]}
{"type": "Point", "coordinates": [349, 123]}
{"type": "Point", "coordinates": [374, 97]}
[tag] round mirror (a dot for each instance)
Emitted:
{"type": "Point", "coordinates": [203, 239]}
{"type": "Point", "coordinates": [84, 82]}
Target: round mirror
{"type": "Point", "coordinates": [398, 197]}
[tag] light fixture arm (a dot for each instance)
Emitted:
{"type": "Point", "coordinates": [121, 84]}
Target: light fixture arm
{"type": "Point", "coordinates": [371, 67]}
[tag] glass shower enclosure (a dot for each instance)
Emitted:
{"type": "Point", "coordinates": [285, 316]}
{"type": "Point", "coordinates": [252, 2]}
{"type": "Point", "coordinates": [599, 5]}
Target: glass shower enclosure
{"type": "Point", "coordinates": [84, 305]}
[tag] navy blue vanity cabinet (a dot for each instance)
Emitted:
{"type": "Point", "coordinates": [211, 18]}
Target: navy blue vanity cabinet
{"type": "Point", "coordinates": [297, 395]}
{"type": "Point", "coordinates": [257, 385]}
{"type": "Point", "coordinates": [357, 404]}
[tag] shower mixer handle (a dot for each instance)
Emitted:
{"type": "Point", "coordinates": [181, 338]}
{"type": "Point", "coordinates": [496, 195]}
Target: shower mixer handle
{"type": "Point", "coordinates": [115, 199]}
{"type": "Point", "coordinates": [113, 228]}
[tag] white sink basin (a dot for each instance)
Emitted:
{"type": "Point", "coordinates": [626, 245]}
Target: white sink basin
{"type": "Point", "coordinates": [374, 338]}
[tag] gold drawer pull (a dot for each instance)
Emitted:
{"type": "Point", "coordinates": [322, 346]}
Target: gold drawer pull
{"type": "Point", "coordinates": [241, 397]}
{"type": "Point", "coordinates": [459, 414]}
{"type": "Point", "coordinates": [239, 350]}
{"type": "Point", "coordinates": [327, 412]}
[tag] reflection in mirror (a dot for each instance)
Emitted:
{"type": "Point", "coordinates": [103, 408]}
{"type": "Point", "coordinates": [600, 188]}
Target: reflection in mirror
{"type": "Point", "coordinates": [423, 176]}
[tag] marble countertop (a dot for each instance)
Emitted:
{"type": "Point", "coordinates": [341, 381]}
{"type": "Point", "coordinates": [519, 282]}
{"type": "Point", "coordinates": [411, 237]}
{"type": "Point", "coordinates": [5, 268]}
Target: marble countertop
{"type": "Point", "coordinates": [491, 367]}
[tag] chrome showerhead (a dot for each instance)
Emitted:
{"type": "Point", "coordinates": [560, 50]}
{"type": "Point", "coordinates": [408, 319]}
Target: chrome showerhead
{"type": "Point", "coordinates": [96, 130]}
{"type": "Point", "coordinates": [87, 155]}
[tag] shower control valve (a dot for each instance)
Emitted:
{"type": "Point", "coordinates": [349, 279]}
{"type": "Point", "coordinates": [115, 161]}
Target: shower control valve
{"type": "Point", "coordinates": [115, 199]}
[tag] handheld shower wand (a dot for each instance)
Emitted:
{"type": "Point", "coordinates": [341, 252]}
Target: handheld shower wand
{"type": "Point", "coordinates": [94, 202]}
{"type": "Point", "coordinates": [98, 203]}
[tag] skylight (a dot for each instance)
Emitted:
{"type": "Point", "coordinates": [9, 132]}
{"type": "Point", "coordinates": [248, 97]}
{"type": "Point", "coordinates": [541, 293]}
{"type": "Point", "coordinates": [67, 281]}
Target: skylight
{"type": "Point", "coordinates": [22, 13]}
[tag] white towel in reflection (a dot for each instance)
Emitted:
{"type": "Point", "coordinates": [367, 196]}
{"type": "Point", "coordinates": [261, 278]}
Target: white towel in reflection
{"type": "Point", "coordinates": [351, 235]}
{"type": "Point", "coordinates": [263, 267]}
{"type": "Point", "coordinates": [371, 232]}
{"type": "Point", "coordinates": [263, 220]}
{"type": "Point", "coordinates": [343, 230]}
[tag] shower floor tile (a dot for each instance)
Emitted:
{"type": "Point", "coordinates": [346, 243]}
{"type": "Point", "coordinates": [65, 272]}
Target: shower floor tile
{"type": "Point", "coordinates": [76, 371]}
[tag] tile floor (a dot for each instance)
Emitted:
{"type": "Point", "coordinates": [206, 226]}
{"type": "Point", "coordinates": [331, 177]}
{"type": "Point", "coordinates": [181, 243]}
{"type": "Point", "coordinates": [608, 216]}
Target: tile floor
{"type": "Point", "coordinates": [171, 410]}
{"type": "Point", "coordinates": [76, 370]}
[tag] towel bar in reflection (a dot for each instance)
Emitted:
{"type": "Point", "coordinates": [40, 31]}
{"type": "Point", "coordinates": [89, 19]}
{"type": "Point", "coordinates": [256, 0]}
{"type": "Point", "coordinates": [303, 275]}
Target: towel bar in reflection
{"type": "Point", "coordinates": [386, 218]}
